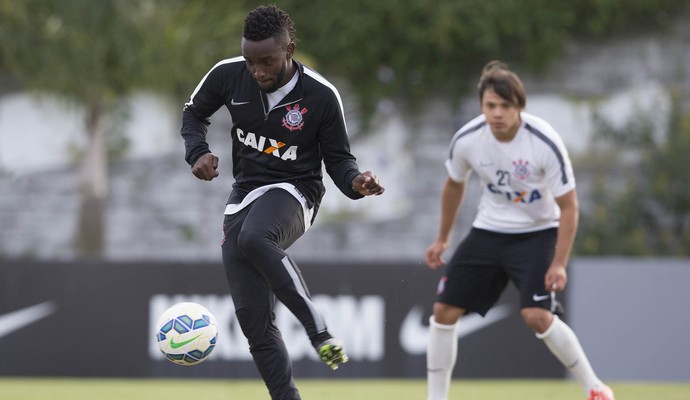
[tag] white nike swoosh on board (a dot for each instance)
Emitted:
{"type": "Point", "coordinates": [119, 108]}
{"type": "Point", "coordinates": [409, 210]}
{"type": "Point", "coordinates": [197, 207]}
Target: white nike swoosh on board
{"type": "Point", "coordinates": [16, 320]}
{"type": "Point", "coordinates": [238, 103]}
{"type": "Point", "coordinates": [535, 297]}
{"type": "Point", "coordinates": [414, 333]}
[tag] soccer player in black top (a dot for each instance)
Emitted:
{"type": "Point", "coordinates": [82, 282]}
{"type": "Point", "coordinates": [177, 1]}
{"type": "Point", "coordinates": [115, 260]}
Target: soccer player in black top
{"type": "Point", "coordinates": [287, 120]}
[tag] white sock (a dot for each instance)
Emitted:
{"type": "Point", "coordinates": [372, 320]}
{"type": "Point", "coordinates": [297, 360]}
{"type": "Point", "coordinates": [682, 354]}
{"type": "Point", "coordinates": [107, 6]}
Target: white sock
{"type": "Point", "coordinates": [563, 343]}
{"type": "Point", "coordinates": [442, 350]}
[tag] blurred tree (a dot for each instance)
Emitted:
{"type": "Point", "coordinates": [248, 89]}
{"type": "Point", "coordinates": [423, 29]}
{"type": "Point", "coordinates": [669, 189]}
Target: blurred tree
{"type": "Point", "coordinates": [642, 209]}
{"type": "Point", "coordinates": [95, 53]}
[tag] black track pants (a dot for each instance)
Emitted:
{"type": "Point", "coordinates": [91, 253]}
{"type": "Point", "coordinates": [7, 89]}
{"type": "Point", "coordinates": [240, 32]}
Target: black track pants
{"type": "Point", "coordinates": [258, 270]}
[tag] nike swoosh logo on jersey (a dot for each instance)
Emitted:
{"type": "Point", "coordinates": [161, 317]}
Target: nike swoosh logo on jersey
{"type": "Point", "coordinates": [180, 344]}
{"type": "Point", "coordinates": [238, 103]}
{"type": "Point", "coordinates": [535, 297]}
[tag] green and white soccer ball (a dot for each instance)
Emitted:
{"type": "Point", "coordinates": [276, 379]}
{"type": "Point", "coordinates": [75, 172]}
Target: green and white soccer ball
{"type": "Point", "coordinates": [186, 333]}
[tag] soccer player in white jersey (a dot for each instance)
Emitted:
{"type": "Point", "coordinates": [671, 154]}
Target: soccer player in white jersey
{"type": "Point", "coordinates": [523, 232]}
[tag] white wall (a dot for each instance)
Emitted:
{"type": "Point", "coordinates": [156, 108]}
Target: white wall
{"type": "Point", "coordinates": [38, 132]}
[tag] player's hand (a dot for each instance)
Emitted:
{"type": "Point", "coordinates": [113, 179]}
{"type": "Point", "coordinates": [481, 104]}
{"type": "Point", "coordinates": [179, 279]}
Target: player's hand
{"type": "Point", "coordinates": [433, 257]}
{"type": "Point", "coordinates": [206, 167]}
{"type": "Point", "coordinates": [367, 184]}
{"type": "Point", "coordinates": [556, 278]}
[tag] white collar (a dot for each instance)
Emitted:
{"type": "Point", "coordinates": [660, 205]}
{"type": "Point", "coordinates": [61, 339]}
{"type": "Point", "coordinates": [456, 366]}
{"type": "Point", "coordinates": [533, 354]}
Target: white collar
{"type": "Point", "coordinates": [278, 95]}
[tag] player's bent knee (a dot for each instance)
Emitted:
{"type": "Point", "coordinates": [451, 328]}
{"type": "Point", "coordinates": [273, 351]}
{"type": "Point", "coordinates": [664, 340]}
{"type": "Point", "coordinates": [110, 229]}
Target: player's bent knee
{"type": "Point", "coordinates": [252, 241]}
{"type": "Point", "coordinates": [447, 314]}
{"type": "Point", "coordinates": [538, 319]}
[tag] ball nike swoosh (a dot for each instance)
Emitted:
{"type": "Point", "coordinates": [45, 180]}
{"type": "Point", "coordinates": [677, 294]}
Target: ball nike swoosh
{"type": "Point", "coordinates": [180, 344]}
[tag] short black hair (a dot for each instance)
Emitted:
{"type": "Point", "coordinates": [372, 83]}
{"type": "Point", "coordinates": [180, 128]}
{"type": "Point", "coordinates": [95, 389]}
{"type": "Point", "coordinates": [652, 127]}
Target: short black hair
{"type": "Point", "coordinates": [266, 22]}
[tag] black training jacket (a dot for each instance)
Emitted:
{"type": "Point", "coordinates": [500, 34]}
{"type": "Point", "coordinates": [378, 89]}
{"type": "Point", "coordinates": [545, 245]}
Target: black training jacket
{"type": "Point", "coordinates": [285, 144]}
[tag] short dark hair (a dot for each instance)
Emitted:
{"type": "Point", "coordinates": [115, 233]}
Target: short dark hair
{"type": "Point", "coordinates": [504, 82]}
{"type": "Point", "coordinates": [266, 22]}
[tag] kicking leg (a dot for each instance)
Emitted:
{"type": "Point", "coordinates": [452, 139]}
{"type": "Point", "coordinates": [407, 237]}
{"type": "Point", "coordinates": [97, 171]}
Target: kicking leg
{"type": "Point", "coordinates": [254, 303]}
{"type": "Point", "coordinates": [274, 222]}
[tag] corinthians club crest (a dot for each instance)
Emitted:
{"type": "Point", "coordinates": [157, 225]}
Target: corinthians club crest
{"type": "Point", "coordinates": [293, 120]}
{"type": "Point", "coordinates": [521, 171]}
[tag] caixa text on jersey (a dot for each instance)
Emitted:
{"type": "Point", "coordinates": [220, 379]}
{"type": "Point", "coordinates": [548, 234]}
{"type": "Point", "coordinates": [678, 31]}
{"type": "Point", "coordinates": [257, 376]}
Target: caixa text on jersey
{"type": "Point", "coordinates": [515, 196]}
{"type": "Point", "coordinates": [267, 145]}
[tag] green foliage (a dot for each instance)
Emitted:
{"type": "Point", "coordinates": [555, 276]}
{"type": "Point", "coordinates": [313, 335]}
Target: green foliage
{"type": "Point", "coordinates": [649, 214]}
{"type": "Point", "coordinates": [601, 18]}
{"type": "Point", "coordinates": [386, 49]}
{"type": "Point", "coordinates": [412, 50]}
{"type": "Point", "coordinates": [95, 52]}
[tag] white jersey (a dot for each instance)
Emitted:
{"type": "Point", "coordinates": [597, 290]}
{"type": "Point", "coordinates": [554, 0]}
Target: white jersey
{"type": "Point", "coordinates": [520, 179]}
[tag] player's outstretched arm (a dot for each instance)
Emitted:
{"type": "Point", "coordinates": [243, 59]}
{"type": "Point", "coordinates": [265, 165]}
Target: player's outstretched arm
{"type": "Point", "coordinates": [367, 184]}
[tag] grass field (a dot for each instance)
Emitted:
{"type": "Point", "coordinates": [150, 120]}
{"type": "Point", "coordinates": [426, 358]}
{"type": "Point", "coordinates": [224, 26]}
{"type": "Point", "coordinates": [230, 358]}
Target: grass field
{"type": "Point", "coordinates": [375, 389]}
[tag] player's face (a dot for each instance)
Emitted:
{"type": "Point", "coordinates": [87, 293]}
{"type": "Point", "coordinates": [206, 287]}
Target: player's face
{"type": "Point", "coordinates": [502, 115]}
{"type": "Point", "coordinates": [268, 61]}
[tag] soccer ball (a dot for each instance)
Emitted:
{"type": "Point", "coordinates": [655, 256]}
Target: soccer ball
{"type": "Point", "coordinates": [186, 333]}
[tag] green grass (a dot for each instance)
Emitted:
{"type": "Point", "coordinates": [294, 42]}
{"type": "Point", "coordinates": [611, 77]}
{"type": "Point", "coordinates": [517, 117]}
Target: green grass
{"type": "Point", "coordinates": [312, 389]}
